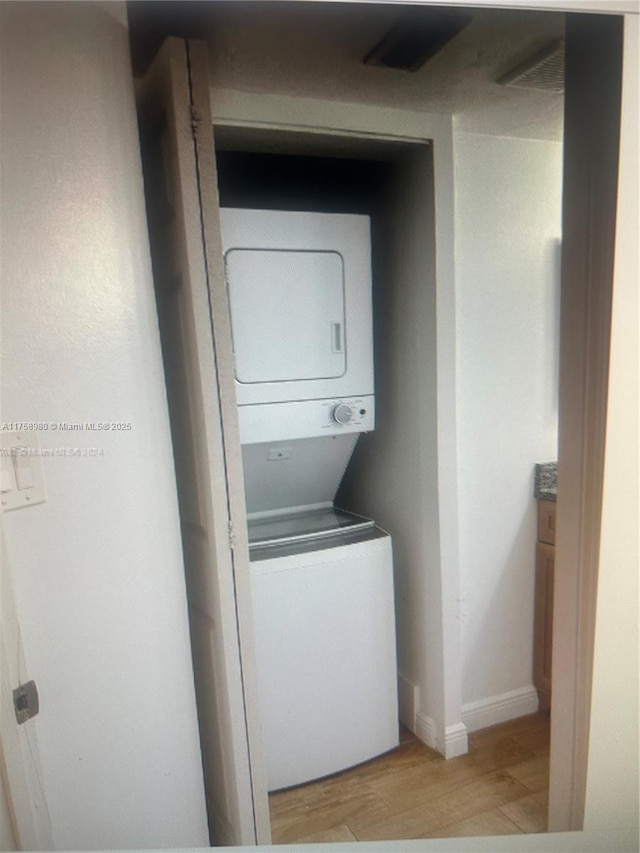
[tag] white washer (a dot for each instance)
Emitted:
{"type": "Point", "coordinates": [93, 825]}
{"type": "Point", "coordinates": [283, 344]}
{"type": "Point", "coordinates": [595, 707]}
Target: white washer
{"type": "Point", "coordinates": [325, 642]}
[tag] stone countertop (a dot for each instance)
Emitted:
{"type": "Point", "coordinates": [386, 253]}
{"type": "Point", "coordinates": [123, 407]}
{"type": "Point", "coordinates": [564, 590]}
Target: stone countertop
{"type": "Point", "coordinates": [545, 481]}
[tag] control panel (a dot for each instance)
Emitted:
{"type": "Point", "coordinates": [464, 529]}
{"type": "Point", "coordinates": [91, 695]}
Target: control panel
{"type": "Point", "coordinates": [305, 419]}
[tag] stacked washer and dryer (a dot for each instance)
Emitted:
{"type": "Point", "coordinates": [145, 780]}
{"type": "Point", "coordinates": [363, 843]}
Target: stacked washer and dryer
{"type": "Point", "coordinates": [299, 289]}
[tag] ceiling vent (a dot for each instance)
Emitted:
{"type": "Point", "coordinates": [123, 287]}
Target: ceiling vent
{"type": "Point", "coordinates": [544, 70]}
{"type": "Point", "coordinates": [417, 37]}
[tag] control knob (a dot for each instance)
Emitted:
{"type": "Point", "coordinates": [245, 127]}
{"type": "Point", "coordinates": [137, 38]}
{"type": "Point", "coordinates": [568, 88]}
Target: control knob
{"type": "Point", "coordinates": [342, 414]}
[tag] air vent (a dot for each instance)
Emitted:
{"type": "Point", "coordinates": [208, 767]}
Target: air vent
{"type": "Point", "coordinates": [417, 37]}
{"type": "Point", "coordinates": [544, 70]}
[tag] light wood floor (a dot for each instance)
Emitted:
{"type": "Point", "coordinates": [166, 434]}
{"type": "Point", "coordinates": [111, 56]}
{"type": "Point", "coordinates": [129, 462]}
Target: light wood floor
{"type": "Point", "coordinates": [499, 788]}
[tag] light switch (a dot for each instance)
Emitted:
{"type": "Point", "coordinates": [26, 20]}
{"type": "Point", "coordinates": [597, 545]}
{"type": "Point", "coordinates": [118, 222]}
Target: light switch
{"type": "Point", "coordinates": [7, 478]}
{"type": "Point", "coordinates": [24, 472]}
{"type": "Point", "coordinates": [22, 482]}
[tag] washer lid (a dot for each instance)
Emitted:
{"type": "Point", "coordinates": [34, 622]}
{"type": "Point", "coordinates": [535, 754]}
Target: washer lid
{"type": "Point", "coordinates": [309, 524]}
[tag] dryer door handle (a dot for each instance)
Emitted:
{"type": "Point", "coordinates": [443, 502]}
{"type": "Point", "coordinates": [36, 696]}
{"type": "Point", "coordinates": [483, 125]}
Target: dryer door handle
{"type": "Point", "coordinates": [337, 343]}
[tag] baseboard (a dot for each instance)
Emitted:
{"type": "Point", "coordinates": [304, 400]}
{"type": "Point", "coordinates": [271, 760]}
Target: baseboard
{"type": "Point", "coordinates": [498, 709]}
{"type": "Point", "coordinates": [456, 741]}
{"type": "Point", "coordinates": [426, 731]}
{"type": "Point", "coordinates": [455, 737]}
{"type": "Point", "coordinates": [475, 715]}
{"type": "Point", "coordinates": [407, 702]}
{"type": "Point", "coordinates": [423, 726]}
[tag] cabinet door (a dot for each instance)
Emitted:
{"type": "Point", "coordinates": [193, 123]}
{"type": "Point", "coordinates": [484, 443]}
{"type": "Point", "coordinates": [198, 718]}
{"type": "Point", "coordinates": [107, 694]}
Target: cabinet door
{"type": "Point", "coordinates": [543, 620]}
{"type": "Point", "coordinates": [547, 522]}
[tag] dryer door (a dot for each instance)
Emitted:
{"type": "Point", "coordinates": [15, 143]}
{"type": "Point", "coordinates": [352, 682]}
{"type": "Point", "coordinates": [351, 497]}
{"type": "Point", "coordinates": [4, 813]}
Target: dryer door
{"type": "Point", "coordinates": [299, 290]}
{"type": "Point", "coordinates": [287, 314]}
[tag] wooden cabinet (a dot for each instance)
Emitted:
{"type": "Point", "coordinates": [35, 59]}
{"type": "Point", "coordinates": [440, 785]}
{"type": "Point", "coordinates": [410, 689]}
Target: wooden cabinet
{"type": "Point", "coordinates": [547, 522]}
{"type": "Point", "coordinates": [543, 607]}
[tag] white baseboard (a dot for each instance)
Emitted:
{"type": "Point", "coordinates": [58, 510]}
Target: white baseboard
{"type": "Point", "coordinates": [455, 740]}
{"type": "Point", "coordinates": [498, 709]}
{"type": "Point", "coordinates": [475, 715]}
{"type": "Point", "coordinates": [426, 731]}
{"type": "Point", "coordinates": [407, 702]}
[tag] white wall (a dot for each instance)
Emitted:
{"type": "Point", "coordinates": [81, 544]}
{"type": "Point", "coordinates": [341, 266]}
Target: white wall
{"type": "Point", "coordinates": [398, 472]}
{"type": "Point", "coordinates": [508, 206]}
{"type": "Point", "coordinates": [97, 568]}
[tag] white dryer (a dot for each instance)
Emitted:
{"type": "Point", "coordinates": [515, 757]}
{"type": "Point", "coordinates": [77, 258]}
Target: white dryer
{"type": "Point", "coordinates": [299, 287]}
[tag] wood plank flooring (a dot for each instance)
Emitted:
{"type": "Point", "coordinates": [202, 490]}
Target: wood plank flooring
{"type": "Point", "coordinates": [499, 788]}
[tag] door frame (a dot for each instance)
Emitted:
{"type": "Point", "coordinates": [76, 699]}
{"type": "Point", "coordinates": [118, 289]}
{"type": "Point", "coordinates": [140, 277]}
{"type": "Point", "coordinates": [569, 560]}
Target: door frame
{"type": "Point", "coordinates": [439, 726]}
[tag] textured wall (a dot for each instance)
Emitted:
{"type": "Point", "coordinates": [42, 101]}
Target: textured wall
{"type": "Point", "coordinates": [508, 196]}
{"type": "Point", "coordinates": [98, 568]}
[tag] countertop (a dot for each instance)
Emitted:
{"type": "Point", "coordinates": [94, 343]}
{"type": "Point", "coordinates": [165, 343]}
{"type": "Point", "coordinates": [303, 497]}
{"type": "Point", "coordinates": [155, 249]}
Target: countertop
{"type": "Point", "coordinates": [545, 481]}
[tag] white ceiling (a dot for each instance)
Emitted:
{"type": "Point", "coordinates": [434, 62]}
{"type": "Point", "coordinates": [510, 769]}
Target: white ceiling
{"type": "Point", "coordinates": [315, 50]}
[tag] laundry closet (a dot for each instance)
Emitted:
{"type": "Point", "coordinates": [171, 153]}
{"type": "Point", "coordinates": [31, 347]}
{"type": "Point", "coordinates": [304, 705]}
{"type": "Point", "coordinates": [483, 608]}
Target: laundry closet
{"type": "Point", "coordinates": [308, 245]}
{"type": "Point", "coordinates": [299, 291]}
